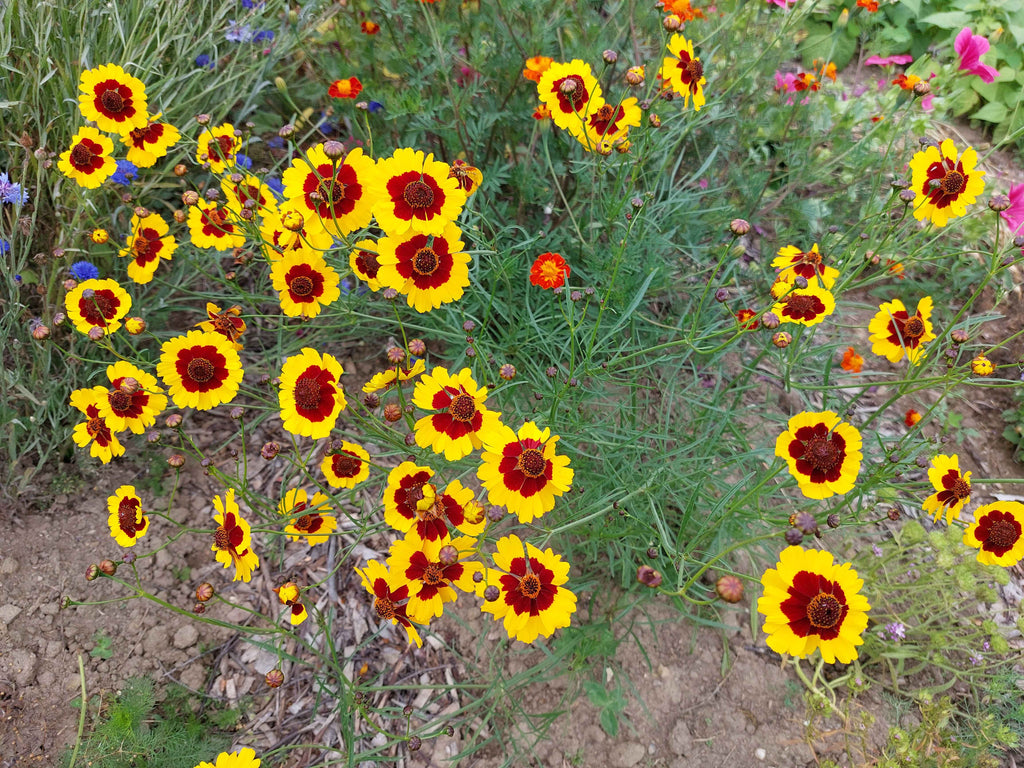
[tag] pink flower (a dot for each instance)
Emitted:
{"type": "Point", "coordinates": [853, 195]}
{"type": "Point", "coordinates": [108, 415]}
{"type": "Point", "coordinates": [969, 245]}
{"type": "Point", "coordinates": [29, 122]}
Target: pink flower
{"type": "Point", "coordinates": [784, 4]}
{"type": "Point", "coordinates": [971, 47]}
{"type": "Point", "coordinates": [1014, 215]}
{"type": "Point", "coordinates": [902, 58]}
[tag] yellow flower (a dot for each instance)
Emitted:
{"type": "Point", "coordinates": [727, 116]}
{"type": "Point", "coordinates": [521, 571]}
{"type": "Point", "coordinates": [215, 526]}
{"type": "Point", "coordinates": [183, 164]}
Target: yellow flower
{"type": "Point", "coordinates": [683, 72]}
{"type": "Point", "coordinates": [387, 378]}
{"type": "Point", "coordinates": [571, 93]}
{"type": "Point", "coordinates": [430, 270]}
{"type": "Point", "coordinates": [149, 143]}
{"type": "Point", "coordinates": [213, 226]}
{"type": "Point", "coordinates": [793, 263]}
{"type": "Point", "coordinates": [982, 366]}
{"type": "Point", "coordinates": [88, 161]}
{"type": "Point", "coordinates": [308, 522]}
{"type": "Point", "coordinates": [460, 414]}
{"type": "Point", "coordinates": [232, 541]}
{"type": "Point", "coordinates": [805, 306]}
{"type": "Point", "coordinates": [305, 284]}
{"type": "Point", "coordinates": [239, 194]}
{"type": "Point", "coordinates": [311, 395]}
{"type": "Point", "coordinates": [201, 370]}
{"type": "Point", "coordinates": [112, 99]}
{"type": "Point", "coordinates": [148, 243]}
{"type": "Point", "coordinates": [952, 489]}
{"type": "Point", "coordinates": [99, 236]}
{"type": "Point", "coordinates": [288, 594]}
{"type": "Point", "coordinates": [943, 184]}
{"type": "Point", "coordinates": [997, 533]}
{"type": "Point", "coordinates": [94, 431]}
{"type": "Point", "coordinates": [609, 124]}
{"type": "Point", "coordinates": [417, 561]}
{"type": "Point", "coordinates": [134, 399]}
{"type": "Point", "coordinates": [347, 466]}
{"type": "Point", "coordinates": [219, 147]}
{"type": "Point", "coordinates": [243, 758]}
{"type": "Point", "coordinates": [336, 196]}
{"type": "Point", "coordinates": [127, 522]}
{"type": "Point", "coordinates": [363, 262]}
{"type": "Point", "coordinates": [414, 191]}
{"type": "Point", "coordinates": [391, 597]}
{"type": "Point", "coordinates": [280, 241]}
{"type": "Point", "coordinates": [822, 452]}
{"type": "Point", "coordinates": [97, 304]}
{"type": "Point", "coordinates": [895, 333]}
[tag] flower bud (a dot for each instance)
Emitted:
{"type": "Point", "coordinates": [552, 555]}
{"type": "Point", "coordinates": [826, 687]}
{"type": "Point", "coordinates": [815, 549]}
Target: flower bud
{"type": "Point", "coordinates": [176, 460]}
{"type": "Point", "coordinates": [781, 339]}
{"type": "Point", "coordinates": [770, 320]}
{"type": "Point", "coordinates": [415, 742]}
{"type": "Point", "coordinates": [396, 355]}
{"type": "Point", "coordinates": [722, 295]}
{"type": "Point", "coordinates": [654, 120]}
{"type": "Point", "coordinates": [108, 567]}
{"type": "Point", "coordinates": [417, 347]}
{"type": "Point", "coordinates": [610, 56]}
{"type": "Point", "coordinates": [648, 576]}
{"type": "Point", "coordinates": [392, 412]}
{"type": "Point", "coordinates": [135, 325]}
{"type": "Point", "coordinates": [495, 514]}
{"type": "Point", "coordinates": [274, 678]}
{"type": "Point", "coordinates": [832, 520]}
{"type": "Point", "coordinates": [922, 88]}
{"type": "Point", "coordinates": [907, 197]}
{"type": "Point", "coordinates": [190, 197]}
{"type": "Point", "coordinates": [286, 130]}
{"type": "Point", "coordinates": [729, 588]}
{"type": "Point", "coordinates": [92, 572]}
{"type": "Point", "coordinates": [507, 372]}
{"type": "Point", "coordinates": [672, 23]}
{"type": "Point", "coordinates": [173, 421]}
{"type": "Point", "coordinates": [739, 227]}
{"type": "Point", "coordinates": [794, 536]}
{"type": "Point", "coordinates": [635, 76]}
{"type": "Point", "coordinates": [204, 592]}
{"type": "Point", "coordinates": [894, 513]}
{"type": "Point", "coordinates": [40, 332]}
{"type": "Point", "coordinates": [999, 203]}
{"type": "Point", "coordinates": [199, 609]}
{"type": "Point", "coordinates": [448, 555]}
{"type": "Point", "coordinates": [334, 149]}
{"type": "Point", "coordinates": [806, 523]}
{"type": "Point", "coordinates": [293, 221]}
{"type": "Point", "coordinates": [800, 282]}
{"type": "Point", "coordinates": [95, 333]}
{"type": "Point", "coordinates": [130, 385]}
{"type": "Point", "coordinates": [491, 593]}
{"type": "Point", "coordinates": [371, 400]}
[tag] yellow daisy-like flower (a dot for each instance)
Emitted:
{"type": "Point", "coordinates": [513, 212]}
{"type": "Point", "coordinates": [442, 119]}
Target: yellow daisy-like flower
{"type": "Point", "coordinates": [418, 562]}
{"type": "Point", "coordinates": [895, 333]}
{"type": "Point", "coordinates": [288, 593]}
{"type": "Point", "coordinates": [390, 597]}
{"type": "Point", "coordinates": [336, 196]}
{"type": "Point", "coordinates": [469, 178]}
{"type": "Point", "coordinates": [805, 306]}
{"type": "Point", "coordinates": [387, 378]}
{"type": "Point", "coordinates": [532, 599]}
{"type": "Point", "coordinates": [952, 489]}
{"type": "Point", "coordinates": [238, 194]}
{"type": "Point", "coordinates": [309, 520]}
{"type": "Point", "coordinates": [280, 241]}
{"type": "Point", "coordinates": [201, 370]}
{"type": "Point", "coordinates": [571, 93]}
{"type": "Point", "coordinates": [148, 243]}
{"type": "Point", "coordinates": [227, 323]}
{"type": "Point", "coordinates": [823, 453]}
{"type": "Point", "coordinates": [128, 523]}
{"type": "Point", "coordinates": [134, 399]}
{"type": "Point", "coordinates": [363, 262]}
{"type": "Point", "coordinates": [112, 99]}
{"type": "Point", "coordinates": [414, 191]}
{"type": "Point", "coordinates": [811, 602]}
{"type": "Point", "coordinates": [455, 506]}
{"type": "Point", "coordinates": [97, 304]}
{"type": "Point", "coordinates": [460, 414]}
{"type": "Point", "coordinates": [243, 758]}
{"type": "Point", "coordinates": [311, 394]}
{"type": "Point", "coordinates": [347, 466]}
{"type": "Point", "coordinates": [89, 160]}
{"type": "Point", "coordinates": [214, 226]}
{"type": "Point", "coordinates": [232, 541]}
{"type": "Point", "coordinates": [609, 123]}
{"type": "Point", "coordinates": [219, 147]}
{"type": "Point", "coordinates": [95, 431]}
{"type": "Point", "coordinates": [430, 270]}
{"type": "Point", "coordinates": [305, 284]}
{"type": "Point", "coordinates": [683, 72]}
{"type": "Point", "coordinates": [793, 263]}
{"type": "Point", "coordinates": [998, 533]}
{"type": "Point", "coordinates": [405, 495]}
{"type": "Point", "coordinates": [521, 470]}
{"type": "Point", "coordinates": [943, 184]}
{"type": "Point", "coordinates": [149, 143]}
{"type": "Point", "coordinates": [982, 366]}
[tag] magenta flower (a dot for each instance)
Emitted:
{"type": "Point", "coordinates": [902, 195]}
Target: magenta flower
{"type": "Point", "coordinates": [971, 47]}
{"type": "Point", "coordinates": [1014, 215]}
{"type": "Point", "coordinates": [902, 58]}
{"type": "Point", "coordinates": [784, 4]}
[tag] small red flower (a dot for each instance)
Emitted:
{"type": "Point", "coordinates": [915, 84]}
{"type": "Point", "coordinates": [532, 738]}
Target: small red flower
{"type": "Point", "coordinates": [549, 271]}
{"type": "Point", "coordinates": [852, 362]}
{"type": "Point", "coordinates": [911, 418]}
{"type": "Point", "coordinates": [871, 6]}
{"type": "Point", "coordinates": [370, 28]}
{"type": "Point", "coordinates": [345, 89]}
{"type": "Point", "coordinates": [747, 319]}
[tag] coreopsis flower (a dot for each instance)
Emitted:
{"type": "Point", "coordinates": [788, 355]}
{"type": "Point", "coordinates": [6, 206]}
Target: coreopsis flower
{"type": "Point", "coordinates": [906, 82]}
{"type": "Point", "coordinates": [347, 466]}
{"type": "Point", "coordinates": [288, 593]}
{"type": "Point", "coordinates": [455, 506]}
{"type": "Point", "coordinates": [232, 541]}
{"type": "Point", "coordinates": [97, 304]}
{"type": "Point", "coordinates": [952, 489]}
{"type": "Point", "coordinates": [542, 112]}
{"type": "Point", "coordinates": [150, 142]}
{"type": "Point", "coordinates": [369, 27]}
{"type": "Point", "coordinates": [99, 236]}
{"type": "Point", "coordinates": [243, 758]}
{"type": "Point", "coordinates": [536, 66]}
{"type": "Point", "coordinates": [683, 72]}
{"type": "Point", "coordinates": [345, 89]}
{"type": "Point", "coordinates": [227, 323]}
{"type": "Point", "coordinates": [335, 195]}
{"type": "Point", "coordinates": [571, 93]}
{"type": "Point", "coordinates": [895, 333]}
{"type": "Point", "coordinates": [95, 431]}
{"type": "Point", "coordinates": [404, 495]}
{"type": "Point", "coordinates": [532, 599]}
{"type": "Point", "coordinates": [792, 263]}
{"type": "Point", "coordinates": [219, 147]}
{"type": "Point", "coordinates": [390, 597]}
{"type": "Point", "coordinates": [417, 561]}
{"type": "Point", "coordinates": [201, 370]}
{"type": "Point", "coordinates": [311, 395]}
{"type": "Point", "coordinates": [911, 418]}
{"type": "Point", "coordinates": [214, 226]}
{"type": "Point", "coordinates": [810, 603]}
{"type": "Point", "coordinates": [521, 470]}
{"type": "Point", "coordinates": [805, 306]}
{"type": "Point", "coordinates": [238, 194]}
{"type": "Point", "coordinates": [852, 362]}
{"type": "Point", "coordinates": [127, 521]}
{"type": "Point", "coordinates": [133, 407]}
{"type": "Point", "coordinates": [309, 518]}
{"type": "Point", "coordinates": [982, 366]}
{"type": "Point", "coordinates": [971, 47]}
{"type": "Point", "coordinates": [997, 533]}
{"type": "Point", "coordinates": [549, 270]}
{"type": "Point", "coordinates": [363, 262]}
{"type": "Point", "coordinates": [469, 178]}
{"type": "Point", "coordinates": [304, 283]}
{"type": "Point", "coordinates": [112, 99]}
{"type": "Point", "coordinates": [430, 270]}
{"type": "Point", "coordinates": [823, 453]}
{"type": "Point", "coordinates": [279, 241]}
{"type": "Point", "coordinates": [609, 123]}
{"type": "Point", "coordinates": [459, 417]}
{"type": "Point", "coordinates": [146, 245]}
{"type": "Point", "coordinates": [747, 319]}
{"type": "Point", "coordinates": [414, 191]}
{"type": "Point", "coordinates": [88, 160]}
{"type": "Point", "coordinates": [396, 373]}
{"type": "Point", "coordinates": [944, 183]}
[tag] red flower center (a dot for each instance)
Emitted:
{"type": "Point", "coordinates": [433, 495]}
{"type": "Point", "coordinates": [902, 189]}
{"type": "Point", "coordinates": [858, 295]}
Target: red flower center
{"type": "Point", "coordinates": [803, 307]}
{"type": "Point", "coordinates": [462, 408]}
{"type": "Point", "coordinates": [572, 93]}
{"type": "Point", "coordinates": [307, 393]}
{"type": "Point", "coordinates": [127, 513]}
{"type": "Point", "coordinates": [96, 425]}
{"type": "Point", "coordinates": [345, 465]}
{"type": "Point", "coordinates": [433, 574]}
{"type": "Point", "coordinates": [529, 586]}
{"type": "Point", "coordinates": [303, 522]}
{"type": "Point", "coordinates": [824, 611]}
{"type": "Point", "coordinates": [531, 463]}
{"type": "Point", "coordinates": [822, 454]}
{"type": "Point", "coordinates": [82, 155]}
{"type": "Point", "coordinates": [221, 538]}
{"type": "Point", "coordinates": [914, 328]}
{"type": "Point", "coordinates": [219, 149]}
{"type": "Point", "coordinates": [952, 183]}
{"type": "Point", "coordinates": [1002, 535]}
{"type": "Point", "coordinates": [418, 194]}
{"type": "Point", "coordinates": [112, 101]}
{"type": "Point", "coordinates": [695, 70]}
{"type": "Point", "coordinates": [384, 608]}
{"type": "Point", "coordinates": [301, 285]}
{"type": "Point", "coordinates": [200, 370]}
{"type": "Point", "coordinates": [332, 191]}
{"type": "Point", "coordinates": [425, 262]}
{"type": "Point", "coordinates": [961, 489]}
{"type": "Point", "coordinates": [120, 401]}
{"type": "Point", "coordinates": [367, 263]}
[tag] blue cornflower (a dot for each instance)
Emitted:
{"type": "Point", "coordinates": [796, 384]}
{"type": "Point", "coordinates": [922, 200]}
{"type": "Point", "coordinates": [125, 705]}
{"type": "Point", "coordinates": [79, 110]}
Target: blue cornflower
{"type": "Point", "coordinates": [125, 172]}
{"type": "Point", "coordinates": [252, 4]}
{"type": "Point", "coordinates": [4, 246]}
{"type": "Point", "coordinates": [203, 60]}
{"type": "Point", "coordinates": [374, 106]}
{"type": "Point", "coordinates": [11, 191]}
{"type": "Point", "coordinates": [266, 34]}
{"type": "Point", "coordinates": [275, 184]}
{"type": "Point", "coordinates": [84, 270]}
{"type": "Point", "coordinates": [243, 161]}
{"type": "Point", "coordinates": [275, 142]}
{"type": "Point", "coordinates": [325, 126]}
{"type": "Point", "coordinates": [238, 33]}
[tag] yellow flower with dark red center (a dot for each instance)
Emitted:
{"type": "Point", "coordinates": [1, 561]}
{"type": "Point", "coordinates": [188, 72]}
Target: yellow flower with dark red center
{"type": "Point", "coordinates": [334, 195]}
{"type": "Point", "coordinates": [94, 431]}
{"type": "Point", "coordinates": [127, 521]}
{"type": "Point", "coordinates": [134, 399]}
{"type": "Point", "coordinates": [532, 599]}
{"type": "Point", "coordinates": [305, 284]}
{"type": "Point", "coordinates": [792, 263]}
{"type": "Point", "coordinates": [311, 394]}
{"type": "Point", "coordinates": [347, 466]}
{"type": "Point", "coordinates": [906, 82]}
{"type": "Point", "coordinates": [414, 191]}
{"type": "Point", "coordinates": [309, 518]}
{"type": "Point", "coordinates": [88, 161]}
{"type": "Point", "coordinates": [895, 332]}
{"type": "Point", "coordinates": [214, 226]}
{"type": "Point", "coordinates": [549, 270]}
{"type": "Point", "coordinates": [455, 507]}
{"type": "Point", "coordinates": [112, 99]}
{"type": "Point", "coordinates": [201, 370]}
{"type": "Point", "coordinates": [521, 470]}
{"type": "Point", "coordinates": [150, 142]}
{"type": "Point", "coordinates": [249, 192]}
{"type": "Point", "coordinates": [952, 489]}
{"type": "Point", "coordinates": [428, 270]}
{"type": "Point", "coordinates": [390, 597]}
{"type": "Point", "coordinates": [571, 94]}
{"type": "Point", "coordinates": [852, 362]}
{"type": "Point", "coordinates": [805, 306]}
{"type": "Point", "coordinates": [219, 147]}
{"type": "Point", "coordinates": [823, 453]}
{"type": "Point", "coordinates": [279, 241]}
{"type": "Point", "coordinates": [363, 262]}
{"type": "Point", "coordinates": [998, 533]}
{"type": "Point", "coordinates": [97, 304]}
{"type": "Point", "coordinates": [810, 603]}
{"type": "Point", "coordinates": [683, 72]}
{"type": "Point", "coordinates": [289, 594]}
{"type": "Point", "coordinates": [227, 323]}
{"type": "Point", "coordinates": [982, 366]}
{"type": "Point", "coordinates": [400, 373]}
{"type": "Point", "coordinates": [469, 178]}
{"type": "Point", "coordinates": [944, 184]}
{"type": "Point", "coordinates": [609, 123]}
{"type": "Point", "coordinates": [405, 496]}
{"type": "Point", "coordinates": [460, 414]}
{"type": "Point", "coordinates": [232, 540]}
{"type": "Point", "coordinates": [243, 758]}
{"type": "Point", "coordinates": [146, 245]}
{"type": "Point", "coordinates": [536, 66]}
{"type": "Point", "coordinates": [417, 561]}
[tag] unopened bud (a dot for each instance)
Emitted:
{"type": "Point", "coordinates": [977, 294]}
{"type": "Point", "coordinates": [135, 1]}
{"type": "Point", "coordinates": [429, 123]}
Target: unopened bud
{"type": "Point", "coordinates": [176, 460]}
{"type": "Point", "coordinates": [92, 572]}
{"type": "Point", "coordinates": [794, 536]}
{"type": "Point", "coordinates": [95, 333]}
{"type": "Point", "coordinates": [274, 678]}
{"type": "Point", "coordinates": [495, 513]}
{"type": "Point", "coordinates": [108, 567]}
{"type": "Point", "coordinates": [806, 523]}
{"type": "Point", "coordinates": [610, 56]}
{"type": "Point", "coordinates": [635, 76]}
{"type": "Point", "coordinates": [173, 421]}
{"type": "Point", "coordinates": [130, 385]}
{"type": "Point", "coordinates": [392, 412]}
{"type": "Point", "coordinates": [832, 520]}
{"type": "Point", "coordinates": [894, 513]}
{"type": "Point", "coordinates": [204, 592]}
{"type": "Point", "coordinates": [190, 197]}
{"type": "Point", "coordinates": [371, 400]}
{"type": "Point", "coordinates": [334, 149]}
{"type": "Point", "coordinates": [417, 347]}
{"type": "Point", "coordinates": [40, 332]}
{"type": "Point", "coordinates": [199, 609]}
{"type": "Point", "coordinates": [800, 282]}
{"type": "Point", "coordinates": [739, 227]}
{"type": "Point", "coordinates": [448, 555]}
{"type": "Point", "coordinates": [270, 450]}
{"type": "Point", "coordinates": [415, 743]}
{"type": "Point", "coordinates": [722, 294]}
{"type": "Point", "coordinates": [729, 588]}
{"type": "Point", "coordinates": [907, 197]}
{"type": "Point", "coordinates": [922, 88]}
{"type": "Point", "coordinates": [672, 22]}
{"type": "Point", "coordinates": [491, 593]}
{"type": "Point", "coordinates": [999, 203]}
{"type": "Point", "coordinates": [781, 339]}
{"type": "Point", "coordinates": [770, 320]}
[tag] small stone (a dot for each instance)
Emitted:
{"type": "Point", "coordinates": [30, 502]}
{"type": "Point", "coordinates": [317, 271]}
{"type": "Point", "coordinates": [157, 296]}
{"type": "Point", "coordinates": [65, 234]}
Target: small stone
{"type": "Point", "coordinates": [186, 637]}
{"type": "Point", "coordinates": [760, 753]}
{"type": "Point", "coordinates": [627, 755]}
{"type": "Point", "coordinates": [680, 740]}
{"type": "Point", "coordinates": [20, 665]}
{"type": "Point", "coordinates": [7, 614]}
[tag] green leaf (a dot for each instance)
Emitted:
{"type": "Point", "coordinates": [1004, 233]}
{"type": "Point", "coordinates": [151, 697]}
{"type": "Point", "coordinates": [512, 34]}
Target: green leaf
{"type": "Point", "coordinates": [993, 112]}
{"type": "Point", "coordinates": [947, 20]}
{"type": "Point", "coordinates": [609, 722]}
{"type": "Point", "coordinates": [964, 102]}
{"type": "Point", "coordinates": [822, 43]}
{"type": "Point", "coordinates": [1011, 435]}
{"type": "Point", "coordinates": [914, 6]}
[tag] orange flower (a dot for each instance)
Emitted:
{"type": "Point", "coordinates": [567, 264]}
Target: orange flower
{"type": "Point", "coordinates": [906, 82]}
{"type": "Point", "coordinates": [871, 6]}
{"type": "Point", "coordinates": [682, 9]}
{"type": "Point", "coordinates": [895, 268]}
{"type": "Point", "coordinates": [852, 362]}
{"type": "Point", "coordinates": [370, 28]}
{"type": "Point", "coordinates": [828, 69]}
{"type": "Point", "coordinates": [747, 318]}
{"type": "Point", "coordinates": [549, 271]}
{"type": "Point", "coordinates": [345, 89]}
{"type": "Point", "coordinates": [911, 418]}
{"type": "Point", "coordinates": [536, 66]}
{"type": "Point", "coordinates": [542, 113]}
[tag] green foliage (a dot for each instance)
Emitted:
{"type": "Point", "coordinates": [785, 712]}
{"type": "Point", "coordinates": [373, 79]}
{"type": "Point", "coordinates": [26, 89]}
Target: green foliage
{"type": "Point", "coordinates": [610, 703]}
{"type": "Point", "coordinates": [1014, 431]}
{"type": "Point", "coordinates": [103, 645]}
